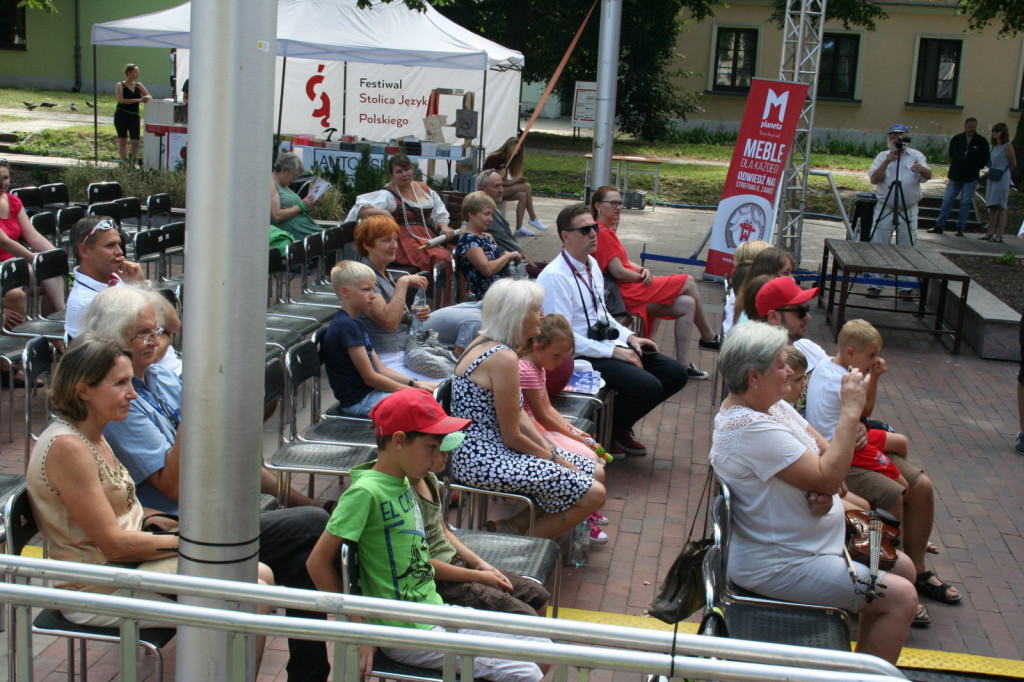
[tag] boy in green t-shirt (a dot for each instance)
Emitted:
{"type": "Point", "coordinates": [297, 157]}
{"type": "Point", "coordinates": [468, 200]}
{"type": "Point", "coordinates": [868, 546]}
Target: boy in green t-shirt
{"type": "Point", "coordinates": [379, 512]}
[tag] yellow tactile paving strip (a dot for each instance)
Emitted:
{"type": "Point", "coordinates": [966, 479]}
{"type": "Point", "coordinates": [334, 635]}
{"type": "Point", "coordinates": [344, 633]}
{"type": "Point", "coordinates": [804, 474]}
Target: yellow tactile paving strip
{"type": "Point", "coordinates": [921, 659]}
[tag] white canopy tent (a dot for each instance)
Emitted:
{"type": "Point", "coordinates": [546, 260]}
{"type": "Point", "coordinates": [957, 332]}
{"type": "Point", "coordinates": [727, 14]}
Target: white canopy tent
{"type": "Point", "coordinates": [384, 41]}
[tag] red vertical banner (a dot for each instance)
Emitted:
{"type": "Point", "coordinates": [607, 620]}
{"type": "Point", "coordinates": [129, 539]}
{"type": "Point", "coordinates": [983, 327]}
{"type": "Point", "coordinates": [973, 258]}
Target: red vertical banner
{"type": "Point", "coordinates": [747, 206]}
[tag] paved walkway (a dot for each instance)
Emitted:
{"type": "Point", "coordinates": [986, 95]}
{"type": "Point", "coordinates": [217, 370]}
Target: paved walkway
{"type": "Point", "coordinates": [959, 412]}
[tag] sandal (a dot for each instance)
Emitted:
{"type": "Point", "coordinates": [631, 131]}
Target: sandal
{"type": "Point", "coordinates": [936, 592]}
{"type": "Point", "coordinates": [931, 548]}
{"type": "Point", "coordinates": [921, 618]}
{"type": "Point", "coordinates": [998, 239]}
{"type": "Point", "coordinates": [985, 237]}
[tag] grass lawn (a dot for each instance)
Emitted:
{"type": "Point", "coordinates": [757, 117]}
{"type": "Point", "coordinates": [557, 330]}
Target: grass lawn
{"type": "Point", "coordinates": [75, 141]}
{"type": "Point", "coordinates": [16, 97]}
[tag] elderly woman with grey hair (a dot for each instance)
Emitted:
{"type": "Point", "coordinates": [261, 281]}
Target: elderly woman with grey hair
{"type": "Point", "coordinates": [504, 451]}
{"type": "Point", "coordinates": [786, 480]}
{"type": "Point", "coordinates": [148, 442]}
{"type": "Point", "coordinates": [287, 211]}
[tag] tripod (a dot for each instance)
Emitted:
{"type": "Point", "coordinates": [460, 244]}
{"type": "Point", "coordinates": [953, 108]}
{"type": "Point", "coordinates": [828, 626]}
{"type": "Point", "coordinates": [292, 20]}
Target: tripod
{"type": "Point", "coordinates": [897, 199]}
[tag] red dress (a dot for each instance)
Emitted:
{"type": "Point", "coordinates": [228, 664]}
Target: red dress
{"type": "Point", "coordinates": [636, 296]}
{"type": "Point", "coordinates": [10, 224]}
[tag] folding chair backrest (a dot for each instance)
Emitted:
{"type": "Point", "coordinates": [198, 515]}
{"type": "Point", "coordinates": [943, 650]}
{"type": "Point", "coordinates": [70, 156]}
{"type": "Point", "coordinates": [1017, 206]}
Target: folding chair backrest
{"type": "Point", "coordinates": [148, 246]}
{"type": "Point", "coordinates": [157, 205]}
{"type": "Point", "coordinates": [302, 363]}
{"type": "Point", "coordinates": [14, 274]}
{"type": "Point", "coordinates": [48, 265]}
{"type": "Point", "coordinates": [106, 208]}
{"type": "Point", "coordinates": [37, 364]}
{"type": "Point", "coordinates": [131, 209]}
{"type": "Point", "coordinates": [443, 394]}
{"type": "Point", "coordinates": [55, 193]}
{"type": "Point", "coordinates": [350, 581]}
{"type": "Point", "coordinates": [67, 217]}
{"type": "Point", "coordinates": [46, 225]}
{"type": "Point", "coordinates": [273, 382]}
{"type": "Point", "coordinates": [31, 198]}
{"type": "Point", "coordinates": [174, 236]}
{"type": "Point", "coordinates": [103, 191]}
{"type": "Point", "coordinates": [315, 257]}
{"type": "Point", "coordinates": [19, 524]}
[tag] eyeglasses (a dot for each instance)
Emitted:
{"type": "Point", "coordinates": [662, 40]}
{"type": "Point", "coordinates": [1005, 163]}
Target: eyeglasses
{"type": "Point", "coordinates": [801, 311]}
{"type": "Point", "coordinates": [585, 230]}
{"type": "Point", "coordinates": [101, 226]}
{"type": "Point", "coordinates": [616, 204]}
{"type": "Point", "coordinates": [149, 337]}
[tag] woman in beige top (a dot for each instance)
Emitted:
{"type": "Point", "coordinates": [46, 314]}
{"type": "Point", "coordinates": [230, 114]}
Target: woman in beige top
{"type": "Point", "coordinates": [82, 498]}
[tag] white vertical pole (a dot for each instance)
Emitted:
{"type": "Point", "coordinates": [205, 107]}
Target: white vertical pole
{"type": "Point", "coordinates": [233, 46]}
{"type": "Point", "coordinates": [607, 83]}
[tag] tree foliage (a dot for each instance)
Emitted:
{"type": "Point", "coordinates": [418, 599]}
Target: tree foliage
{"type": "Point", "coordinates": [981, 13]}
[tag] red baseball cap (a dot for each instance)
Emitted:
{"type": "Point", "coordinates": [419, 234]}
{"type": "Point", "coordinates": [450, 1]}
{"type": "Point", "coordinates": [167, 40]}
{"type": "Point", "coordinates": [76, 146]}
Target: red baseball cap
{"type": "Point", "coordinates": [413, 409]}
{"type": "Point", "coordinates": [781, 292]}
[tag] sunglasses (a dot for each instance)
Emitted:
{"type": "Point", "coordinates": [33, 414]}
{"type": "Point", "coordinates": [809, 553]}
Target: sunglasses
{"type": "Point", "coordinates": [585, 230]}
{"type": "Point", "coordinates": [101, 226]}
{"type": "Point", "coordinates": [616, 204]}
{"type": "Point", "coordinates": [801, 311]}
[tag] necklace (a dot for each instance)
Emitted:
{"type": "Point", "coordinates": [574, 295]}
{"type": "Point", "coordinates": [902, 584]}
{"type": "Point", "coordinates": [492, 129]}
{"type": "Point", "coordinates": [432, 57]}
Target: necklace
{"type": "Point", "coordinates": [406, 207]}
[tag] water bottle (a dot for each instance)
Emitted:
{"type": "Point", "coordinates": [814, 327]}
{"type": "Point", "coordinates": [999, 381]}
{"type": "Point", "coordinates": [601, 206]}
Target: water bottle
{"type": "Point", "coordinates": [418, 304]}
{"type": "Point", "coordinates": [580, 543]}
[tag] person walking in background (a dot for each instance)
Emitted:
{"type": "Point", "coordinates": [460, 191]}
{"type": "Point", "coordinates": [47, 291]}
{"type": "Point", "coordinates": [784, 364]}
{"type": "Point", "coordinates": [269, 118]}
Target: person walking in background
{"type": "Point", "coordinates": [127, 117]}
{"type": "Point", "coordinates": [515, 187]}
{"type": "Point", "coordinates": [997, 192]}
{"type": "Point", "coordinates": [968, 154]}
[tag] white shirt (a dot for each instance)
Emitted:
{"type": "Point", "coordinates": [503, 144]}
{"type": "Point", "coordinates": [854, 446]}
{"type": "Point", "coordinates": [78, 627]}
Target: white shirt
{"type": "Point", "coordinates": [433, 206]}
{"type": "Point", "coordinates": [86, 288]}
{"type": "Point", "coordinates": [824, 399]}
{"type": "Point", "coordinates": [909, 180]}
{"type": "Point", "coordinates": [814, 353]}
{"type": "Point", "coordinates": [563, 296]}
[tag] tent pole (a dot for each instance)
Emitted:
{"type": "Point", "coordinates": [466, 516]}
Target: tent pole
{"type": "Point", "coordinates": [280, 107]}
{"type": "Point", "coordinates": [481, 150]}
{"type": "Point", "coordinates": [95, 112]}
{"type": "Point", "coordinates": [344, 96]}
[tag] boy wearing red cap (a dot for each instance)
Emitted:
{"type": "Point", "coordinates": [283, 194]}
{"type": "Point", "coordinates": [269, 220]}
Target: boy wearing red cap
{"type": "Point", "coordinates": [379, 512]}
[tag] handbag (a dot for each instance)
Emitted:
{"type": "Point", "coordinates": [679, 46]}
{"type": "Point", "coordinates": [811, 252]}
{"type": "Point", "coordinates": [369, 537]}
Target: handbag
{"type": "Point", "coordinates": [426, 355]}
{"type": "Point", "coordinates": [681, 593]}
{"type": "Point", "coordinates": [995, 174]}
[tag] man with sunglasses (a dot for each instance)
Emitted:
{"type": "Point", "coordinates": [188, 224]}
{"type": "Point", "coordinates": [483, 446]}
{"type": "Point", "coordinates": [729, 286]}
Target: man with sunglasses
{"type": "Point", "coordinates": [642, 377]}
{"type": "Point", "coordinates": [781, 302]}
{"type": "Point", "coordinates": [101, 265]}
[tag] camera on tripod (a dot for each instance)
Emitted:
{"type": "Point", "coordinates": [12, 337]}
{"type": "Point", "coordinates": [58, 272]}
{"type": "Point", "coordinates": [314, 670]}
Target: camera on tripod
{"type": "Point", "coordinates": [901, 142]}
{"type": "Point", "coordinates": [602, 331]}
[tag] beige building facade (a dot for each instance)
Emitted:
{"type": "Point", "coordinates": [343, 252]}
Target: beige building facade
{"type": "Point", "coordinates": [921, 66]}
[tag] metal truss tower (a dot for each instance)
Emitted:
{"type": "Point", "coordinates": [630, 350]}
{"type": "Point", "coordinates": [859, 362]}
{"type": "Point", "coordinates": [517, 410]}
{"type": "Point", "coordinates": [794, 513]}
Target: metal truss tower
{"type": "Point", "coordinates": [801, 52]}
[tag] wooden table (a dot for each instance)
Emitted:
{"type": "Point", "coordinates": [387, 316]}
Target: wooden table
{"type": "Point", "coordinates": [925, 264]}
{"type": "Point", "coordinates": [626, 166]}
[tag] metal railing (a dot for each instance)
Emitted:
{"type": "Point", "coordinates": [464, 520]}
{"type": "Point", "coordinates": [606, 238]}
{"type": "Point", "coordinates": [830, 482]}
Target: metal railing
{"type": "Point", "coordinates": [594, 646]}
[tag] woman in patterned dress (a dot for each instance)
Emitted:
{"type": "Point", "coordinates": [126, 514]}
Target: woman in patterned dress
{"type": "Point", "coordinates": [503, 450]}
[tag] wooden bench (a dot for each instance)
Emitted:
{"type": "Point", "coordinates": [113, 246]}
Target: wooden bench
{"type": "Point", "coordinates": [626, 166]}
{"type": "Point", "coordinates": [913, 262]}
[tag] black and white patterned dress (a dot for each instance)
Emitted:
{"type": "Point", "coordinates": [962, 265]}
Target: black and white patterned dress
{"type": "Point", "coordinates": [484, 461]}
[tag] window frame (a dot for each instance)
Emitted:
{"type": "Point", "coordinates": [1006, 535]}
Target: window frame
{"type": "Point", "coordinates": [916, 96]}
{"type": "Point", "coordinates": [858, 56]}
{"type": "Point", "coordinates": [10, 8]}
{"type": "Point", "coordinates": [712, 84]}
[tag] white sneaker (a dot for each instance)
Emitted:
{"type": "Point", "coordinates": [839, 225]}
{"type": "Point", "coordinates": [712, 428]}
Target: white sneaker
{"type": "Point", "coordinates": [524, 232]}
{"type": "Point", "coordinates": [538, 225]}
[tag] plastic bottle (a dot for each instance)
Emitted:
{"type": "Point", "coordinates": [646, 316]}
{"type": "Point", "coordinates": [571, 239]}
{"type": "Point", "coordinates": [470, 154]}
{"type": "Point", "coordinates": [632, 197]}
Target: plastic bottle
{"type": "Point", "coordinates": [580, 543]}
{"type": "Point", "coordinates": [418, 304]}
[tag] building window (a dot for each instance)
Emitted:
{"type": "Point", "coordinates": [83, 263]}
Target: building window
{"type": "Point", "coordinates": [837, 73]}
{"type": "Point", "coordinates": [735, 59]}
{"type": "Point", "coordinates": [12, 25]}
{"type": "Point", "coordinates": [938, 71]}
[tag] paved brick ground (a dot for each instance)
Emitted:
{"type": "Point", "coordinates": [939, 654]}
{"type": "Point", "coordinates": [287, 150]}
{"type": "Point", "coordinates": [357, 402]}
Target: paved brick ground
{"type": "Point", "coordinates": [959, 412]}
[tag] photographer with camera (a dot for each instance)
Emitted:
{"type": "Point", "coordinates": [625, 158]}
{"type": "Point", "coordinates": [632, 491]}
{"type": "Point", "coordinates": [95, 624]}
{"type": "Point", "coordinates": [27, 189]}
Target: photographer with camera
{"type": "Point", "coordinates": [631, 365]}
{"type": "Point", "coordinates": [897, 174]}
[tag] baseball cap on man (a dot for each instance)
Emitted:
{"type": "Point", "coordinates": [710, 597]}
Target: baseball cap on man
{"type": "Point", "coordinates": [781, 292]}
{"type": "Point", "coordinates": [899, 128]}
{"type": "Point", "coordinates": [413, 409]}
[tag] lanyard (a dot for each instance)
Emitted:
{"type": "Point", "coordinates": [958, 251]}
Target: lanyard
{"type": "Point", "coordinates": [173, 416]}
{"type": "Point", "coordinates": [588, 285]}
